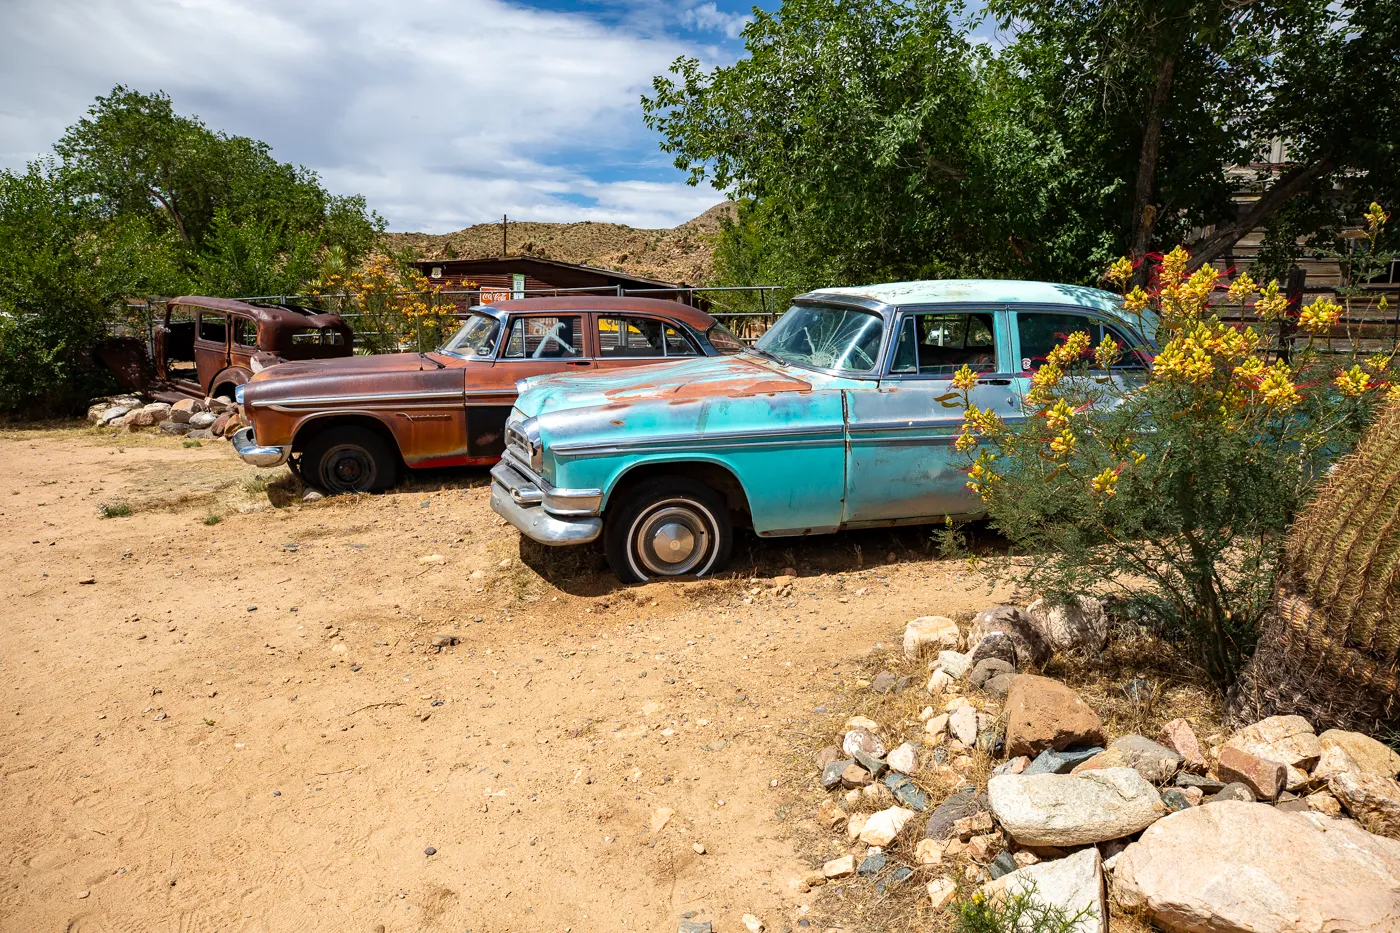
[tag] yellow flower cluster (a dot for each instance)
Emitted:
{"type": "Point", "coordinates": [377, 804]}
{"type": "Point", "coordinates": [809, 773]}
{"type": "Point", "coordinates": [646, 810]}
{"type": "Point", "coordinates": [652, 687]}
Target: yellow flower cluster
{"type": "Point", "coordinates": [1062, 445]}
{"type": "Point", "coordinates": [1276, 386]}
{"type": "Point", "coordinates": [1136, 301]}
{"type": "Point", "coordinates": [1106, 483]}
{"type": "Point", "coordinates": [1375, 217]}
{"type": "Point", "coordinates": [1272, 303]}
{"type": "Point", "coordinates": [1353, 382]}
{"type": "Point", "coordinates": [1043, 384]}
{"type": "Point", "coordinates": [981, 478]}
{"type": "Point", "coordinates": [964, 379]}
{"type": "Point", "coordinates": [976, 421]}
{"type": "Point", "coordinates": [1107, 352]}
{"type": "Point", "coordinates": [1186, 299]}
{"type": "Point", "coordinates": [1069, 352]}
{"type": "Point", "coordinates": [1242, 289]}
{"type": "Point", "coordinates": [1190, 357]}
{"type": "Point", "coordinates": [1319, 316]}
{"type": "Point", "coordinates": [1120, 273]}
{"type": "Point", "coordinates": [1059, 416]}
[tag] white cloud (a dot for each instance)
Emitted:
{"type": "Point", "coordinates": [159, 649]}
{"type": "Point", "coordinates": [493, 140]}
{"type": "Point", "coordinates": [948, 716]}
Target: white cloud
{"type": "Point", "coordinates": [708, 16]}
{"type": "Point", "coordinates": [442, 112]}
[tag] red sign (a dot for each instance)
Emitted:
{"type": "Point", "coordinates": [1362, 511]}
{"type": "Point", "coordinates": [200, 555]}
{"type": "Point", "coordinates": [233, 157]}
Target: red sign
{"type": "Point", "coordinates": [493, 295]}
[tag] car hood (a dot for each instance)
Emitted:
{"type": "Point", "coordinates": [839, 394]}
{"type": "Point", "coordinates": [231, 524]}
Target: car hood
{"type": "Point", "coordinates": [353, 376]}
{"type": "Point", "coordinates": [709, 377]}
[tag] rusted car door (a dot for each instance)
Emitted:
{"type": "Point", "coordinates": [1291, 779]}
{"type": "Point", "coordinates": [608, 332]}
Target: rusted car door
{"type": "Point", "coordinates": [901, 465]}
{"type": "Point", "coordinates": [243, 340]}
{"type": "Point", "coordinates": [210, 346]}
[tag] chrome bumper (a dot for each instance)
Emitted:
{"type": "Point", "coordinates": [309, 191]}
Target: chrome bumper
{"type": "Point", "coordinates": [246, 446]}
{"type": "Point", "coordinates": [519, 500]}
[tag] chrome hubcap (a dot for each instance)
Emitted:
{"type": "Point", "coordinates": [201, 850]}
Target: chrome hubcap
{"type": "Point", "coordinates": [673, 542]}
{"type": "Point", "coordinates": [673, 538]}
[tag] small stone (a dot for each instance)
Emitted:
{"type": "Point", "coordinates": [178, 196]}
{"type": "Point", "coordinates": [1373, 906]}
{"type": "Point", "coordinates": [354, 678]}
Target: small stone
{"type": "Point", "coordinates": [1062, 762]}
{"type": "Point", "coordinates": [203, 419]}
{"type": "Point", "coordinates": [980, 848]}
{"type": "Point", "coordinates": [1025, 858]}
{"type": "Point", "coordinates": [1174, 800]}
{"type": "Point", "coordinates": [884, 683]}
{"type": "Point", "coordinates": [694, 926]}
{"type": "Point", "coordinates": [870, 763]}
{"type": "Point", "coordinates": [1016, 627]}
{"type": "Point", "coordinates": [855, 824]}
{"type": "Point", "coordinates": [827, 755]}
{"type": "Point", "coordinates": [999, 686]}
{"type": "Point", "coordinates": [1003, 864]}
{"type": "Point", "coordinates": [905, 758]}
{"type": "Point", "coordinates": [1233, 792]}
{"type": "Point", "coordinates": [312, 495]}
{"type": "Point", "coordinates": [430, 851]}
{"type": "Point", "coordinates": [855, 776]}
{"type": "Point", "coordinates": [1156, 763]}
{"type": "Point", "coordinates": [842, 867]}
{"type": "Point", "coordinates": [930, 633]}
{"type": "Point", "coordinates": [1324, 803]}
{"type": "Point", "coordinates": [1181, 738]}
{"type": "Point", "coordinates": [752, 923]}
{"type": "Point", "coordinates": [974, 825]}
{"type": "Point", "coordinates": [699, 847]}
{"type": "Point", "coordinates": [882, 828]}
{"type": "Point", "coordinates": [864, 740]}
{"type": "Point", "coordinates": [1264, 777]}
{"type": "Point", "coordinates": [444, 641]}
{"type": "Point", "coordinates": [963, 724]}
{"type": "Point", "coordinates": [1073, 884]}
{"type": "Point", "coordinates": [955, 664]}
{"type": "Point", "coordinates": [659, 818]}
{"type": "Point", "coordinates": [832, 771]}
{"type": "Point", "coordinates": [929, 851]}
{"type": "Point", "coordinates": [906, 792]}
{"type": "Point", "coordinates": [941, 892]}
{"type": "Point", "coordinates": [938, 683]}
{"type": "Point", "coordinates": [872, 863]}
{"type": "Point", "coordinates": [1193, 795]}
{"type": "Point", "coordinates": [1204, 784]}
{"type": "Point", "coordinates": [986, 669]}
{"type": "Point", "coordinates": [862, 722]}
{"type": "Point", "coordinates": [936, 728]}
{"type": "Point", "coordinates": [830, 815]}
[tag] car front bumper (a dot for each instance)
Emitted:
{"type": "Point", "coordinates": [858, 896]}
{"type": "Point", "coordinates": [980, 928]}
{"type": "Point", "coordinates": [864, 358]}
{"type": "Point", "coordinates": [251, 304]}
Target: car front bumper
{"type": "Point", "coordinates": [519, 499]}
{"type": "Point", "coordinates": [246, 446]}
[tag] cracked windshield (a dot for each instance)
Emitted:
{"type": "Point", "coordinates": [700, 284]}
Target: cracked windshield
{"type": "Point", "coordinates": [825, 337]}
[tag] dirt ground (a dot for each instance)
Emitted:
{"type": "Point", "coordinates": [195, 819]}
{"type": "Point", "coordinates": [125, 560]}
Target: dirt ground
{"type": "Point", "coordinates": [222, 711]}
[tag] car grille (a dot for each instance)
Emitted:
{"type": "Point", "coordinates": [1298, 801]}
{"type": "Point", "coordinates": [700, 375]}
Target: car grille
{"type": "Point", "coordinates": [517, 443]}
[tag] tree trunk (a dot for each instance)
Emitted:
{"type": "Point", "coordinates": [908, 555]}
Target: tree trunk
{"type": "Point", "coordinates": [1144, 211]}
{"type": "Point", "coordinates": [1289, 185]}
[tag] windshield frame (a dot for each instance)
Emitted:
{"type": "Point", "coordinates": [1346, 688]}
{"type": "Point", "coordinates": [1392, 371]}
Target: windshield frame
{"type": "Point", "coordinates": [878, 310]}
{"type": "Point", "coordinates": [495, 340]}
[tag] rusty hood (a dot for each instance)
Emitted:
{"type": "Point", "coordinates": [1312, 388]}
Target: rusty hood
{"type": "Point", "coordinates": [740, 376]}
{"type": "Point", "coordinates": [353, 376]}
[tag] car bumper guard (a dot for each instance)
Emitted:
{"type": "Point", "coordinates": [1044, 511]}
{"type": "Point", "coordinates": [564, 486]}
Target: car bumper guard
{"type": "Point", "coordinates": [519, 501]}
{"type": "Point", "coordinates": [246, 446]}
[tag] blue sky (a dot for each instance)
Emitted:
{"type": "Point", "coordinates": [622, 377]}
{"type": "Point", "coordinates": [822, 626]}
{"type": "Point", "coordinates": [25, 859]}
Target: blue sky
{"type": "Point", "coordinates": [443, 113]}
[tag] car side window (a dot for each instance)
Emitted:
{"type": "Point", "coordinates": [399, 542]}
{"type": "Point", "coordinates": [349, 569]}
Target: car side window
{"type": "Point", "coordinates": [640, 338]}
{"type": "Point", "coordinates": [1042, 331]}
{"type": "Point", "coordinates": [245, 332]}
{"type": "Point", "coordinates": [677, 343]}
{"type": "Point", "coordinates": [545, 338]}
{"type": "Point", "coordinates": [212, 327]}
{"type": "Point", "coordinates": [939, 345]}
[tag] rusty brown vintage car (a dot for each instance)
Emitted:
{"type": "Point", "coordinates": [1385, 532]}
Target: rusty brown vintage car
{"type": "Point", "coordinates": [210, 346]}
{"type": "Point", "coordinates": [352, 424]}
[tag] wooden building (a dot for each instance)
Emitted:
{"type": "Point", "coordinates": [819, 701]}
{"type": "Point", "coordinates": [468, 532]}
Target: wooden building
{"type": "Point", "coordinates": [466, 282]}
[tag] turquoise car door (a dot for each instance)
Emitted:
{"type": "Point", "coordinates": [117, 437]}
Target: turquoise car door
{"type": "Point", "coordinates": [1037, 332]}
{"type": "Point", "coordinates": [900, 461]}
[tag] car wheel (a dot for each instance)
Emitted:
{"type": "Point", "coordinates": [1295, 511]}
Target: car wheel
{"type": "Point", "coordinates": [349, 459]}
{"type": "Point", "coordinates": [668, 527]}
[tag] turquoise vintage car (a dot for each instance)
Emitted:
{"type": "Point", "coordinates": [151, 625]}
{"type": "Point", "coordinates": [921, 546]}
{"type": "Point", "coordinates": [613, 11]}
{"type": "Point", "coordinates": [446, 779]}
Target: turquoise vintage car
{"type": "Point", "coordinates": [842, 416]}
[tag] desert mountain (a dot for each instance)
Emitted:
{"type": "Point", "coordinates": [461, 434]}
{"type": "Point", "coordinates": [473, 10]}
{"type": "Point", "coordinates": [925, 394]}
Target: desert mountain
{"type": "Point", "coordinates": [677, 254]}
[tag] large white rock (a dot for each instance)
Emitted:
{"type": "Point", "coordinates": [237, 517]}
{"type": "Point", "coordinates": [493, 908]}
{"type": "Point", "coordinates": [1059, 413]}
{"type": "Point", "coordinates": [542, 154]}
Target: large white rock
{"type": "Point", "coordinates": [1233, 867]}
{"type": "Point", "coordinates": [1073, 884]}
{"type": "Point", "coordinates": [955, 664]}
{"type": "Point", "coordinates": [1073, 809]}
{"type": "Point", "coordinates": [930, 633]}
{"type": "Point", "coordinates": [1370, 756]}
{"type": "Point", "coordinates": [1080, 623]}
{"type": "Point", "coordinates": [882, 828]}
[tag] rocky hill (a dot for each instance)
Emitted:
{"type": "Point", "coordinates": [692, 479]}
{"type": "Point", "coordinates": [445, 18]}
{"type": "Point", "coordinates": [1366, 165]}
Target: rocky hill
{"type": "Point", "coordinates": [678, 254]}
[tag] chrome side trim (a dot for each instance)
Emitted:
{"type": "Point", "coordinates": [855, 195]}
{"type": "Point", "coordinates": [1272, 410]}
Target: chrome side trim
{"type": "Point", "coordinates": [290, 404]}
{"type": "Point", "coordinates": [683, 442]}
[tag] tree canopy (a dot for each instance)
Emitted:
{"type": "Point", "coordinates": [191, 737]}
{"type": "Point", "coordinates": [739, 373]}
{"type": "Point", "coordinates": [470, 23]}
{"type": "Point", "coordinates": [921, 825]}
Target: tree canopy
{"type": "Point", "coordinates": [880, 140]}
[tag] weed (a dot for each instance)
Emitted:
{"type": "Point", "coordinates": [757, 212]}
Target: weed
{"type": "Point", "coordinates": [114, 510]}
{"type": "Point", "coordinates": [213, 518]}
{"type": "Point", "coordinates": [255, 484]}
{"type": "Point", "coordinates": [189, 443]}
{"type": "Point", "coordinates": [1017, 913]}
{"type": "Point", "coordinates": [208, 721]}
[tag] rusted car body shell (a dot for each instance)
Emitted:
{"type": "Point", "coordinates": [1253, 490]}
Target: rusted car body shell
{"type": "Point", "coordinates": [254, 337]}
{"type": "Point", "coordinates": [800, 449]}
{"type": "Point", "coordinates": [442, 409]}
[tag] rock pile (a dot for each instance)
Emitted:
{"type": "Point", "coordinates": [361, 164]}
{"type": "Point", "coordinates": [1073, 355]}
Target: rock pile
{"type": "Point", "coordinates": [200, 419]}
{"type": "Point", "coordinates": [1271, 829]}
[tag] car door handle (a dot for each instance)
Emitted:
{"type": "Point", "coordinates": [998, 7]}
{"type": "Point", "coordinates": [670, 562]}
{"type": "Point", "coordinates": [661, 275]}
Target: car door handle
{"type": "Point", "coordinates": [994, 382]}
{"type": "Point", "coordinates": [577, 362]}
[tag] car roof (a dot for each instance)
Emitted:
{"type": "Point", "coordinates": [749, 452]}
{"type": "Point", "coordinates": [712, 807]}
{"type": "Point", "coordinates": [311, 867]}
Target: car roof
{"type": "Point", "coordinates": [897, 295]}
{"type": "Point", "coordinates": [275, 315]}
{"type": "Point", "coordinates": [673, 309]}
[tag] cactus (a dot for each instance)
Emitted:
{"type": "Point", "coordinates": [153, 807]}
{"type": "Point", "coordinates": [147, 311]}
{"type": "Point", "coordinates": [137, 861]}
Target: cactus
{"type": "Point", "coordinates": [1329, 649]}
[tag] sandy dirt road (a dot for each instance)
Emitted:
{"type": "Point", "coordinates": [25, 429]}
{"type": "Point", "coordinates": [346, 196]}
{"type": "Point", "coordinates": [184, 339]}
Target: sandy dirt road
{"type": "Point", "coordinates": [243, 724]}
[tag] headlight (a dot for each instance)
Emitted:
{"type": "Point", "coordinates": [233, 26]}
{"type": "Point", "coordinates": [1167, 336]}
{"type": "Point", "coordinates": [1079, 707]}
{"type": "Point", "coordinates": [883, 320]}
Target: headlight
{"type": "Point", "coordinates": [523, 437]}
{"type": "Point", "coordinates": [238, 401]}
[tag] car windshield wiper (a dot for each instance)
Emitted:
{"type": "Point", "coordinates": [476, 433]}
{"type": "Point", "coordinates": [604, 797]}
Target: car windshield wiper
{"type": "Point", "coordinates": [770, 356]}
{"type": "Point", "coordinates": [436, 363]}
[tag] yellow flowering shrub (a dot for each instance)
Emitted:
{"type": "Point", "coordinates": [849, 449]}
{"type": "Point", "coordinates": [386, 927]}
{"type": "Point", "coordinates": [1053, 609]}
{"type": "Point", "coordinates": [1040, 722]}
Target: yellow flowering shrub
{"type": "Point", "coordinates": [396, 308]}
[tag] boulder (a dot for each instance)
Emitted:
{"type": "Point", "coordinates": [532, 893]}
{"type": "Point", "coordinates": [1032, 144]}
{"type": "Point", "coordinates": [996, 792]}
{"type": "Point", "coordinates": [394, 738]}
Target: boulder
{"type": "Point", "coordinates": [861, 739]}
{"type": "Point", "coordinates": [1079, 623]}
{"type": "Point", "coordinates": [930, 633]}
{"type": "Point", "coordinates": [174, 428]}
{"type": "Point", "coordinates": [1156, 763]}
{"type": "Point", "coordinates": [1249, 868]}
{"type": "Point", "coordinates": [955, 664]}
{"type": "Point", "coordinates": [187, 406]}
{"type": "Point", "coordinates": [1289, 740]}
{"type": "Point", "coordinates": [1334, 760]}
{"type": "Point", "coordinates": [1073, 809]}
{"type": "Point", "coordinates": [1073, 884]}
{"type": "Point", "coordinates": [999, 686]}
{"type": "Point", "coordinates": [1181, 738]}
{"type": "Point", "coordinates": [884, 827]}
{"type": "Point", "coordinates": [1042, 713]}
{"type": "Point", "coordinates": [97, 410]}
{"type": "Point", "coordinates": [179, 415]}
{"type": "Point", "coordinates": [1236, 792]}
{"type": "Point", "coordinates": [140, 418]}
{"type": "Point", "coordinates": [994, 645]}
{"type": "Point", "coordinates": [203, 419]}
{"type": "Point", "coordinates": [1016, 624]}
{"type": "Point", "coordinates": [219, 424]}
{"type": "Point", "coordinates": [1373, 800]}
{"type": "Point", "coordinates": [987, 668]}
{"type": "Point", "coordinates": [200, 434]}
{"type": "Point", "coordinates": [1264, 777]}
{"type": "Point", "coordinates": [113, 415]}
{"type": "Point", "coordinates": [1370, 756]}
